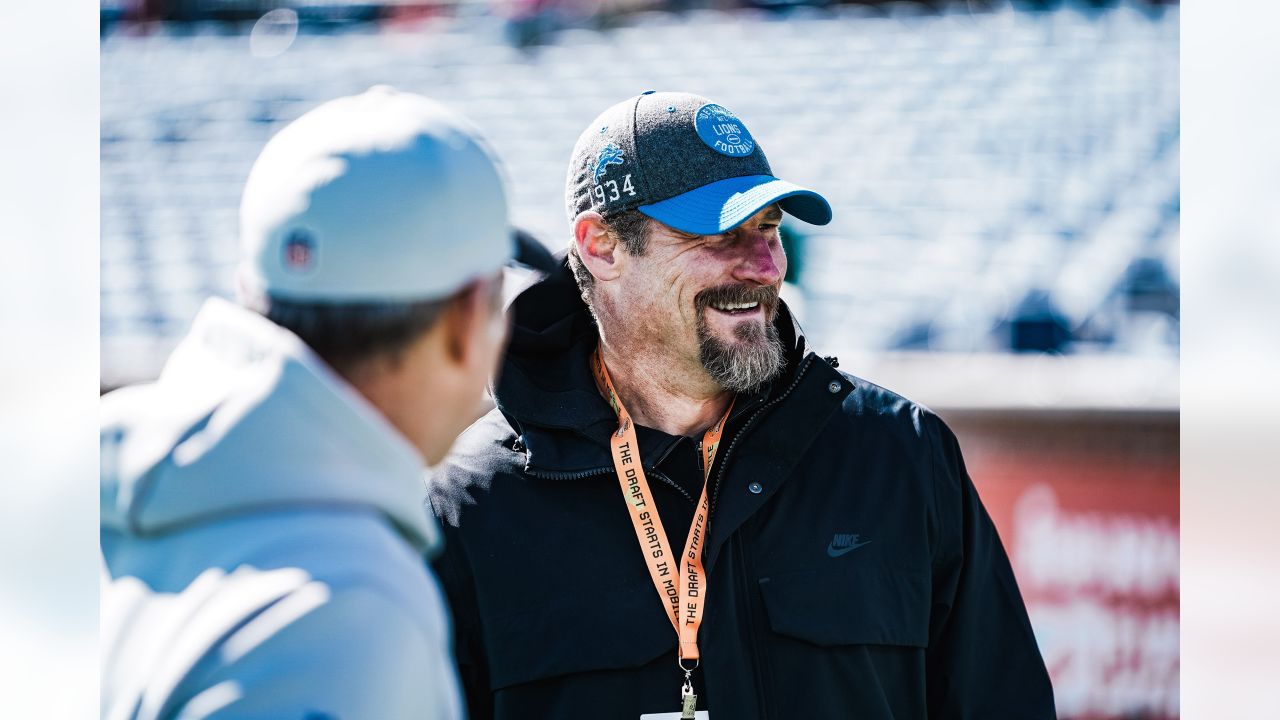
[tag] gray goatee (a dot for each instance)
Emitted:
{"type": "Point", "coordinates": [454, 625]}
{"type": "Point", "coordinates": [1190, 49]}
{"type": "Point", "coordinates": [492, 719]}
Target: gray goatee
{"type": "Point", "coordinates": [757, 356]}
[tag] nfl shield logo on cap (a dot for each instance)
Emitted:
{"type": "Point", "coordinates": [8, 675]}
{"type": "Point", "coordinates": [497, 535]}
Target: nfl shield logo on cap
{"type": "Point", "coordinates": [299, 251]}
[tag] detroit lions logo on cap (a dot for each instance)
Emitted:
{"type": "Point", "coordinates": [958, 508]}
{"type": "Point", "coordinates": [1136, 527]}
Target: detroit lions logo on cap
{"type": "Point", "coordinates": [609, 155]}
{"type": "Point", "coordinates": [722, 131]}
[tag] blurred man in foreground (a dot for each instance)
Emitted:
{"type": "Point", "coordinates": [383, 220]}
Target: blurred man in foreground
{"type": "Point", "coordinates": [263, 533]}
{"type": "Point", "coordinates": [678, 508]}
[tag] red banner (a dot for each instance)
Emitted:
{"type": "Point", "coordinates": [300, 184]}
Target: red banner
{"type": "Point", "coordinates": [1089, 515]}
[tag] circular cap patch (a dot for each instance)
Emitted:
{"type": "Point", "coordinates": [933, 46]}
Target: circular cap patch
{"type": "Point", "coordinates": [299, 251]}
{"type": "Point", "coordinates": [722, 131]}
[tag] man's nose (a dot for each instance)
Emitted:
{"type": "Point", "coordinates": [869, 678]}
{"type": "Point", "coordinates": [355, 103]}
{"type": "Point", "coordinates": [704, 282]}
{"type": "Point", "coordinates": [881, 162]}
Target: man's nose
{"type": "Point", "coordinates": [762, 261]}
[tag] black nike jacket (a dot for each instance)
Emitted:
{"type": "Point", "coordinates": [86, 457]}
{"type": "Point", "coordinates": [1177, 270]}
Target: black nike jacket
{"type": "Point", "coordinates": [852, 570]}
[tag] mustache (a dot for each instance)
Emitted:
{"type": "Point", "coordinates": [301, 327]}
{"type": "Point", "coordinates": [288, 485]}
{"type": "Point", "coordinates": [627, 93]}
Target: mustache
{"type": "Point", "coordinates": [766, 295]}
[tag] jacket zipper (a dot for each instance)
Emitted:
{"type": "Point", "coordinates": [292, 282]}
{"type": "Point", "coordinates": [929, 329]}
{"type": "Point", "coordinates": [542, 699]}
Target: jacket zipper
{"type": "Point", "coordinates": [724, 463]}
{"type": "Point", "coordinates": [651, 472]}
{"type": "Point", "coordinates": [668, 481]}
{"type": "Point", "coordinates": [558, 475]}
{"type": "Point", "coordinates": [758, 656]}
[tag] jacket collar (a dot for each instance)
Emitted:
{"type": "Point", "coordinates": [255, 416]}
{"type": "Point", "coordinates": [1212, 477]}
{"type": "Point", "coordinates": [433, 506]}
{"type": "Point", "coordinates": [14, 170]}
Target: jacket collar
{"type": "Point", "coordinates": [769, 451]}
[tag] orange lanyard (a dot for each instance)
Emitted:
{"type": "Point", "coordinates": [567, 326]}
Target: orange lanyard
{"type": "Point", "coordinates": [681, 587]}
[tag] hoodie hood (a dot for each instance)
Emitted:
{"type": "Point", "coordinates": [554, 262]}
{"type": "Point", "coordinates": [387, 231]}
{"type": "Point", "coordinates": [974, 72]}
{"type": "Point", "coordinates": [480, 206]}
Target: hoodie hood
{"type": "Point", "coordinates": [244, 418]}
{"type": "Point", "coordinates": [546, 373]}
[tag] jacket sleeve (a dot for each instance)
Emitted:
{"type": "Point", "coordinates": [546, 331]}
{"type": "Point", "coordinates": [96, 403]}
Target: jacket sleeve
{"type": "Point", "coordinates": [455, 576]}
{"type": "Point", "coordinates": [355, 655]}
{"type": "Point", "coordinates": [983, 661]}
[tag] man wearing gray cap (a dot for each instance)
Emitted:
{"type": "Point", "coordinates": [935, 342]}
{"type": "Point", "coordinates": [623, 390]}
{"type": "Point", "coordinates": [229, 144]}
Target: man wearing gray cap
{"type": "Point", "coordinates": [678, 510]}
{"type": "Point", "coordinates": [263, 535]}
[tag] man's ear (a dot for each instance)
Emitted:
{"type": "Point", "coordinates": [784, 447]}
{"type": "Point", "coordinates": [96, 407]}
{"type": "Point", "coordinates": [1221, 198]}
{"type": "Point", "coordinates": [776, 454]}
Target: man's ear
{"type": "Point", "coordinates": [474, 322]}
{"type": "Point", "coordinates": [597, 247]}
{"type": "Point", "coordinates": [466, 321]}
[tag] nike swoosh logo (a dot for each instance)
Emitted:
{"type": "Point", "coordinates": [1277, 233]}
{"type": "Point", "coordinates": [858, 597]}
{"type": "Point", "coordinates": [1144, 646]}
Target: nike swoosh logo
{"type": "Point", "coordinates": [834, 551]}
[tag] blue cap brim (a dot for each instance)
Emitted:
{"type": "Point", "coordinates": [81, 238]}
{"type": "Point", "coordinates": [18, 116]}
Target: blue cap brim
{"type": "Point", "coordinates": [725, 204]}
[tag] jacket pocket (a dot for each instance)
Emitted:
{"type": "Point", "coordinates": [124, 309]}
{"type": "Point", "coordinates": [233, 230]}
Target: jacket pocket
{"type": "Point", "coordinates": [609, 630]}
{"type": "Point", "coordinates": [857, 605]}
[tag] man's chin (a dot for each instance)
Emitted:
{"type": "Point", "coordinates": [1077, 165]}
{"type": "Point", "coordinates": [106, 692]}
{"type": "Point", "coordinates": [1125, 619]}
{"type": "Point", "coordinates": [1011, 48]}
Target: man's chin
{"type": "Point", "coordinates": [751, 355]}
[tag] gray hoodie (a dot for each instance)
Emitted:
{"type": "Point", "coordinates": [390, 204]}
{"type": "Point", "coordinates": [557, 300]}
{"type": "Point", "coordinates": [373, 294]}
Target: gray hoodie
{"type": "Point", "coordinates": [264, 542]}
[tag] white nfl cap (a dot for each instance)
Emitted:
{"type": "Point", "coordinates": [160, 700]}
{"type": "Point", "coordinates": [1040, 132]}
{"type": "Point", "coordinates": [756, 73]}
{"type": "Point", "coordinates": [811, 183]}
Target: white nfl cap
{"type": "Point", "coordinates": [382, 196]}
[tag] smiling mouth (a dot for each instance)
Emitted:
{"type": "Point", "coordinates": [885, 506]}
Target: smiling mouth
{"type": "Point", "coordinates": [738, 301]}
{"type": "Point", "coordinates": [736, 308]}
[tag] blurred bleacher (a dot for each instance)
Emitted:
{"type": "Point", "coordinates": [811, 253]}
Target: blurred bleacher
{"type": "Point", "coordinates": [1003, 180]}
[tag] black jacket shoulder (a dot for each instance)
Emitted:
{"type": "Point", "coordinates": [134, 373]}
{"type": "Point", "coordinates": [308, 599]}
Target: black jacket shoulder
{"type": "Point", "coordinates": [485, 453]}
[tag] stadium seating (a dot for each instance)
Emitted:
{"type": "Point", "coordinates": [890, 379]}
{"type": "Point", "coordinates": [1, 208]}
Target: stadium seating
{"type": "Point", "coordinates": [981, 165]}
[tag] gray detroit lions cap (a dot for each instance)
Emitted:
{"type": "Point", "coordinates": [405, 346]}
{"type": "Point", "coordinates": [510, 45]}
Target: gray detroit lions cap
{"type": "Point", "coordinates": [682, 160]}
{"type": "Point", "coordinates": [381, 196]}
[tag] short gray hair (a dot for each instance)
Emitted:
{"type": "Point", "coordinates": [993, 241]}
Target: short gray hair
{"type": "Point", "coordinates": [630, 228]}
